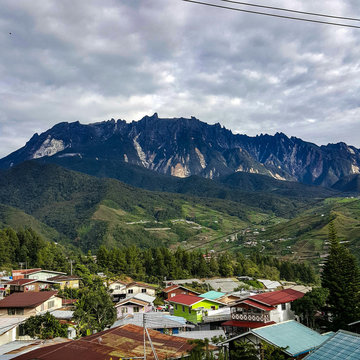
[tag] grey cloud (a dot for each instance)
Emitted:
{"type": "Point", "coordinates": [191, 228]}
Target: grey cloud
{"type": "Point", "coordinates": [92, 60]}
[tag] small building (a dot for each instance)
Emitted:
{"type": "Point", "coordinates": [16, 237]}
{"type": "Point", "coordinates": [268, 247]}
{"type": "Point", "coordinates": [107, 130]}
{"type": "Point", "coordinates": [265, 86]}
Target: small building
{"type": "Point", "coordinates": [118, 290]}
{"type": "Point", "coordinates": [25, 285]}
{"type": "Point", "coordinates": [29, 303]}
{"type": "Point", "coordinates": [140, 303]}
{"type": "Point", "coordinates": [140, 288]}
{"type": "Point", "coordinates": [9, 328]}
{"type": "Point", "coordinates": [193, 308]}
{"type": "Point", "coordinates": [341, 345]}
{"type": "Point", "coordinates": [295, 339]}
{"type": "Point", "coordinates": [69, 281]}
{"type": "Point", "coordinates": [262, 309]}
{"type": "Point", "coordinates": [174, 290]}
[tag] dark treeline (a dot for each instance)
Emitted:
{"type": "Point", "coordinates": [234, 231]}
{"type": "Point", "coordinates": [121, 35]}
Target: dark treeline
{"type": "Point", "coordinates": [152, 265]}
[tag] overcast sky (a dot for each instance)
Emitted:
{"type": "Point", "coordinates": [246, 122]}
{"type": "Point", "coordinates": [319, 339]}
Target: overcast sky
{"type": "Point", "coordinates": [92, 60]}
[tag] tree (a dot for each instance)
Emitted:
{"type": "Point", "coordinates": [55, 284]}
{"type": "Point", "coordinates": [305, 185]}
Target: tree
{"type": "Point", "coordinates": [244, 351]}
{"type": "Point", "coordinates": [341, 276]}
{"type": "Point", "coordinates": [310, 304]}
{"type": "Point", "coordinates": [44, 327]}
{"type": "Point", "coordinates": [94, 311]}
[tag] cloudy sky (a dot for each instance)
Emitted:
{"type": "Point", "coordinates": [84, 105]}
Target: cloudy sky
{"type": "Point", "coordinates": [92, 60]}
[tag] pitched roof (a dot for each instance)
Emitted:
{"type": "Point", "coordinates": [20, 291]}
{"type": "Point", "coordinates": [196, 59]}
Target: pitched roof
{"type": "Point", "coordinates": [257, 305]}
{"type": "Point", "coordinates": [21, 282]}
{"type": "Point", "coordinates": [26, 299]}
{"type": "Point", "coordinates": [277, 297]}
{"type": "Point", "coordinates": [119, 342]}
{"type": "Point", "coordinates": [186, 299]}
{"type": "Point", "coordinates": [296, 338]}
{"type": "Point", "coordinates": [131, 301]}
{"type": "Point", "coordinates": [174, 287]}
{"type": "Point", "coordinates": [343, 345]}
{"type": "Point", "coordinates": [212, 295]}
{"type": "Point", "coordinates": [64, 278]}
{"type": "Point", "coordinates": [26, 271]}
{"type": "Point", "coordinates": [139, 284]}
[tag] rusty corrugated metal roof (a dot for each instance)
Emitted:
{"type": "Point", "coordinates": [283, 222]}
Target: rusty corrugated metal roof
{"type": "Point", "coordinates": [29, 299]}
{"type": "Point", "coordinates": [123, 341]}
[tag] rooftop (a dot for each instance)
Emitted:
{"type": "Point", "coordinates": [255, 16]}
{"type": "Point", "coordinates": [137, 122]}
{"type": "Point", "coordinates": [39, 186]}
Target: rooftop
{"type": "Point", "coordinates": [342, 345]}
{"type": "Point", "coordinates": [294, 337]}
{"type": "Point", "coordinates": [119, 342]}
{"type": "Point", "coordinates": [277, 297]}
{"type": "Point", "coordinates": [212, 295]}
{"type": "Point", "coordinates": [186, 299]}
{"type": "Point", "coordinates": [26, 299]}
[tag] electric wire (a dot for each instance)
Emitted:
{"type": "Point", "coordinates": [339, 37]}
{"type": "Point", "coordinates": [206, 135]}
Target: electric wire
{"type": "Point", "coordinates": [272, 15]}
{"type": "Point", "coordinates": [291, 10]}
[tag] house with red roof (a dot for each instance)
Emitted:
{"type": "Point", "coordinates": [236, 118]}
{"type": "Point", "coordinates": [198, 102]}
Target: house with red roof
{"type": "Point", "coordinates": [29, 303]}
{"type": "Point", "coordinates": [174, 290]}
{"type": "Point", "coordinates": [262, 309]}
{"type": "Point", "coordinates": [193, 308]}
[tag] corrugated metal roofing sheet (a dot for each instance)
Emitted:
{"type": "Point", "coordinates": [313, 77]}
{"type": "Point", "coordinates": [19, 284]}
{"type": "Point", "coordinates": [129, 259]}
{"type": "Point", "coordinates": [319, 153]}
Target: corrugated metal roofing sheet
{"type": "Point", "coordinates": [295, 337]}
{"type": "Point", "coordinates": [27, 299]}
{"type": "Point", "coordinates": [278, 297]}
{"type": "Point", "coordinates": [117, 343]}
{"type": "Point", "coordinates": [185, 299]}
{"type": "Point", "coordinates": [212, 295]}
{"type": "Point", "coordinates": [246, 324]}
{"type": "Point", "coordinates": [257, 305]}
{"type": "Point", "coordinates": [343, 345]}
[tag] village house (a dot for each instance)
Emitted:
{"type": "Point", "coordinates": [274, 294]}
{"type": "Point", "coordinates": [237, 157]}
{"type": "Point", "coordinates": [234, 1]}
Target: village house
{"type": "Point", "coordinates": [139, 303]}
{"type": "Point", "coordinates": [139, 288]}
{"type": "Point", "coordinates": [25, 285]}
{"type": "Point", "coordinates": [118, 290]}
{"type": "Point", "coordinates": [174, 290]}
{"type": "Point", "coordinates": [29, 303]}
{"type": "Point", "coordinates": [262, 309]}
{"type": "Point", "coordinates": [193, 308]}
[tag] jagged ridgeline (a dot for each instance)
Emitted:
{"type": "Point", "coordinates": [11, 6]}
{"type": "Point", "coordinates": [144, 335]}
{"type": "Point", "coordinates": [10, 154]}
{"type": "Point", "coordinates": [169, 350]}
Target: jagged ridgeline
{"type": "Point", "coordinates": [184, 147]}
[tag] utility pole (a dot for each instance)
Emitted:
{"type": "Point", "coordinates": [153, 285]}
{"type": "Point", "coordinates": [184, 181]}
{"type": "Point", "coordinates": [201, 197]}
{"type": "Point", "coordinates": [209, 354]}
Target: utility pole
{"type": "Point", "coordinates": [144, 324]}
{"type": "Point", "coordinates": [71, 262]}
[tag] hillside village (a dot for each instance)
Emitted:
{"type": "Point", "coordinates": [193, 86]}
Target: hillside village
{"type": "Point", "coordinates": [168, 321]}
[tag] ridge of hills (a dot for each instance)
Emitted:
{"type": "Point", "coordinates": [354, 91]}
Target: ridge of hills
{"type": "Point", "coordinates": [184, 147]}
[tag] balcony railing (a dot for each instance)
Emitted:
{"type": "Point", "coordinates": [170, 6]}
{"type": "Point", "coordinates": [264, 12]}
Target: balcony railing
{"type": "Point", "coordinates": [250, 317]}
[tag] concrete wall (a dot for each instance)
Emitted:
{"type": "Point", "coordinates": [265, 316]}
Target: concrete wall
{"type": "Point", "coordinates": [279, 315]}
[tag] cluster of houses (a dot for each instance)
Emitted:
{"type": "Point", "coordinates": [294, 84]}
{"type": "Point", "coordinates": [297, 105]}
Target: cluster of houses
{"type": "Point", "coordinates": [256, 317]}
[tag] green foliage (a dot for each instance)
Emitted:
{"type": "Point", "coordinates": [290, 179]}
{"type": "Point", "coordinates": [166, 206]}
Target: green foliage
{"type": "Point", "coordinates": [94, 310]}
{"type": "Point", "coordinates": [44, 327]}
{"type": "Point", "coordinates": [341, 276]}
{"type": "Point", "coordinates": [309, 305]}
{"type": "Point", "coordinates": [244, 351]}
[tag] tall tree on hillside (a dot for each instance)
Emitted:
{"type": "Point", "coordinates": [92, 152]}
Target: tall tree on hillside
{"type": "Point", "coordinates": [341, 276]}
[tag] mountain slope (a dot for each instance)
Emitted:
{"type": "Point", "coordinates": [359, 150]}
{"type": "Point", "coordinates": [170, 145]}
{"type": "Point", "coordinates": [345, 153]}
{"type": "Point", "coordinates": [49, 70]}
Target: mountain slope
{"type": "Point", "coordinates": [184, 147]}
{"type": "Point", "coordinates": [89, 211]}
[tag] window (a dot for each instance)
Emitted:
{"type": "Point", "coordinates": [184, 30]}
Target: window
{"type": "Point", "coordinates": [183, 308]}
{"type": "Point", "coordinates": [19, 311]}
{"type": "Point", "coordinates": [175, 306]}
{"type": "Point", "coordinates": [136, 309]}
{"type": "Point", "coordinates": [283, 306]}
{"type": "Point", "coordinates": [124, 310]}
{"type": "Point", "coordinates": [143, 290]}
{"type": "Point", "coordinates": [213, 308]}
{"type": "Point", "coordinates": [51, 304]}
{"type": "Point", "coordinates": [189, 310]}
{"type": "Point", "coordinates": [130, 291]}
{"type": "Point", "coordinates": [42, 307]}
{"type": "Point", "coordinates": [172, 295]}
{"type": "Point", "coordinates": [11, 311]}
{"type": "Point", "coordinates": [117, 287]}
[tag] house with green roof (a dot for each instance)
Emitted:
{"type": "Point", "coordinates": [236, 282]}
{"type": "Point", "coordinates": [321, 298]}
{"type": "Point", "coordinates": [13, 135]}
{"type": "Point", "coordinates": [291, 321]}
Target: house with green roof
{"type": "Point", "coordinates": [295, 339]}
{"type": "Point", "coordinates": [212, 295]}
{"type": "Point", "coordinates": [193, 308]}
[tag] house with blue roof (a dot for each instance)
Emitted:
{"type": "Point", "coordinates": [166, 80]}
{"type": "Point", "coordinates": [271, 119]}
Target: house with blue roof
{"type": "Point", "coordinates": [343, 345]}
{"type": "Point", "coordinates": [295, 339]}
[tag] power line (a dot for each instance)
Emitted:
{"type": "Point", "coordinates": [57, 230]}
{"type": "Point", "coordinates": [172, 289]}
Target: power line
{"type": "Point", "coordinates": [272, 15]}
{"type": "Point", "coordinates": [290, 10]}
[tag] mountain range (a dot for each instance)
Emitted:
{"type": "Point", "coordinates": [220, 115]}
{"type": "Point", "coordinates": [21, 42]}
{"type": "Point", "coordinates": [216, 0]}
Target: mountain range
{"type": "Point", "coordinates": [184, 147]}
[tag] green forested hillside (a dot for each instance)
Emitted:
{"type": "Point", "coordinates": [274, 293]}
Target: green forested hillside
{"type": "Point", "coordinates": [89, 211]}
